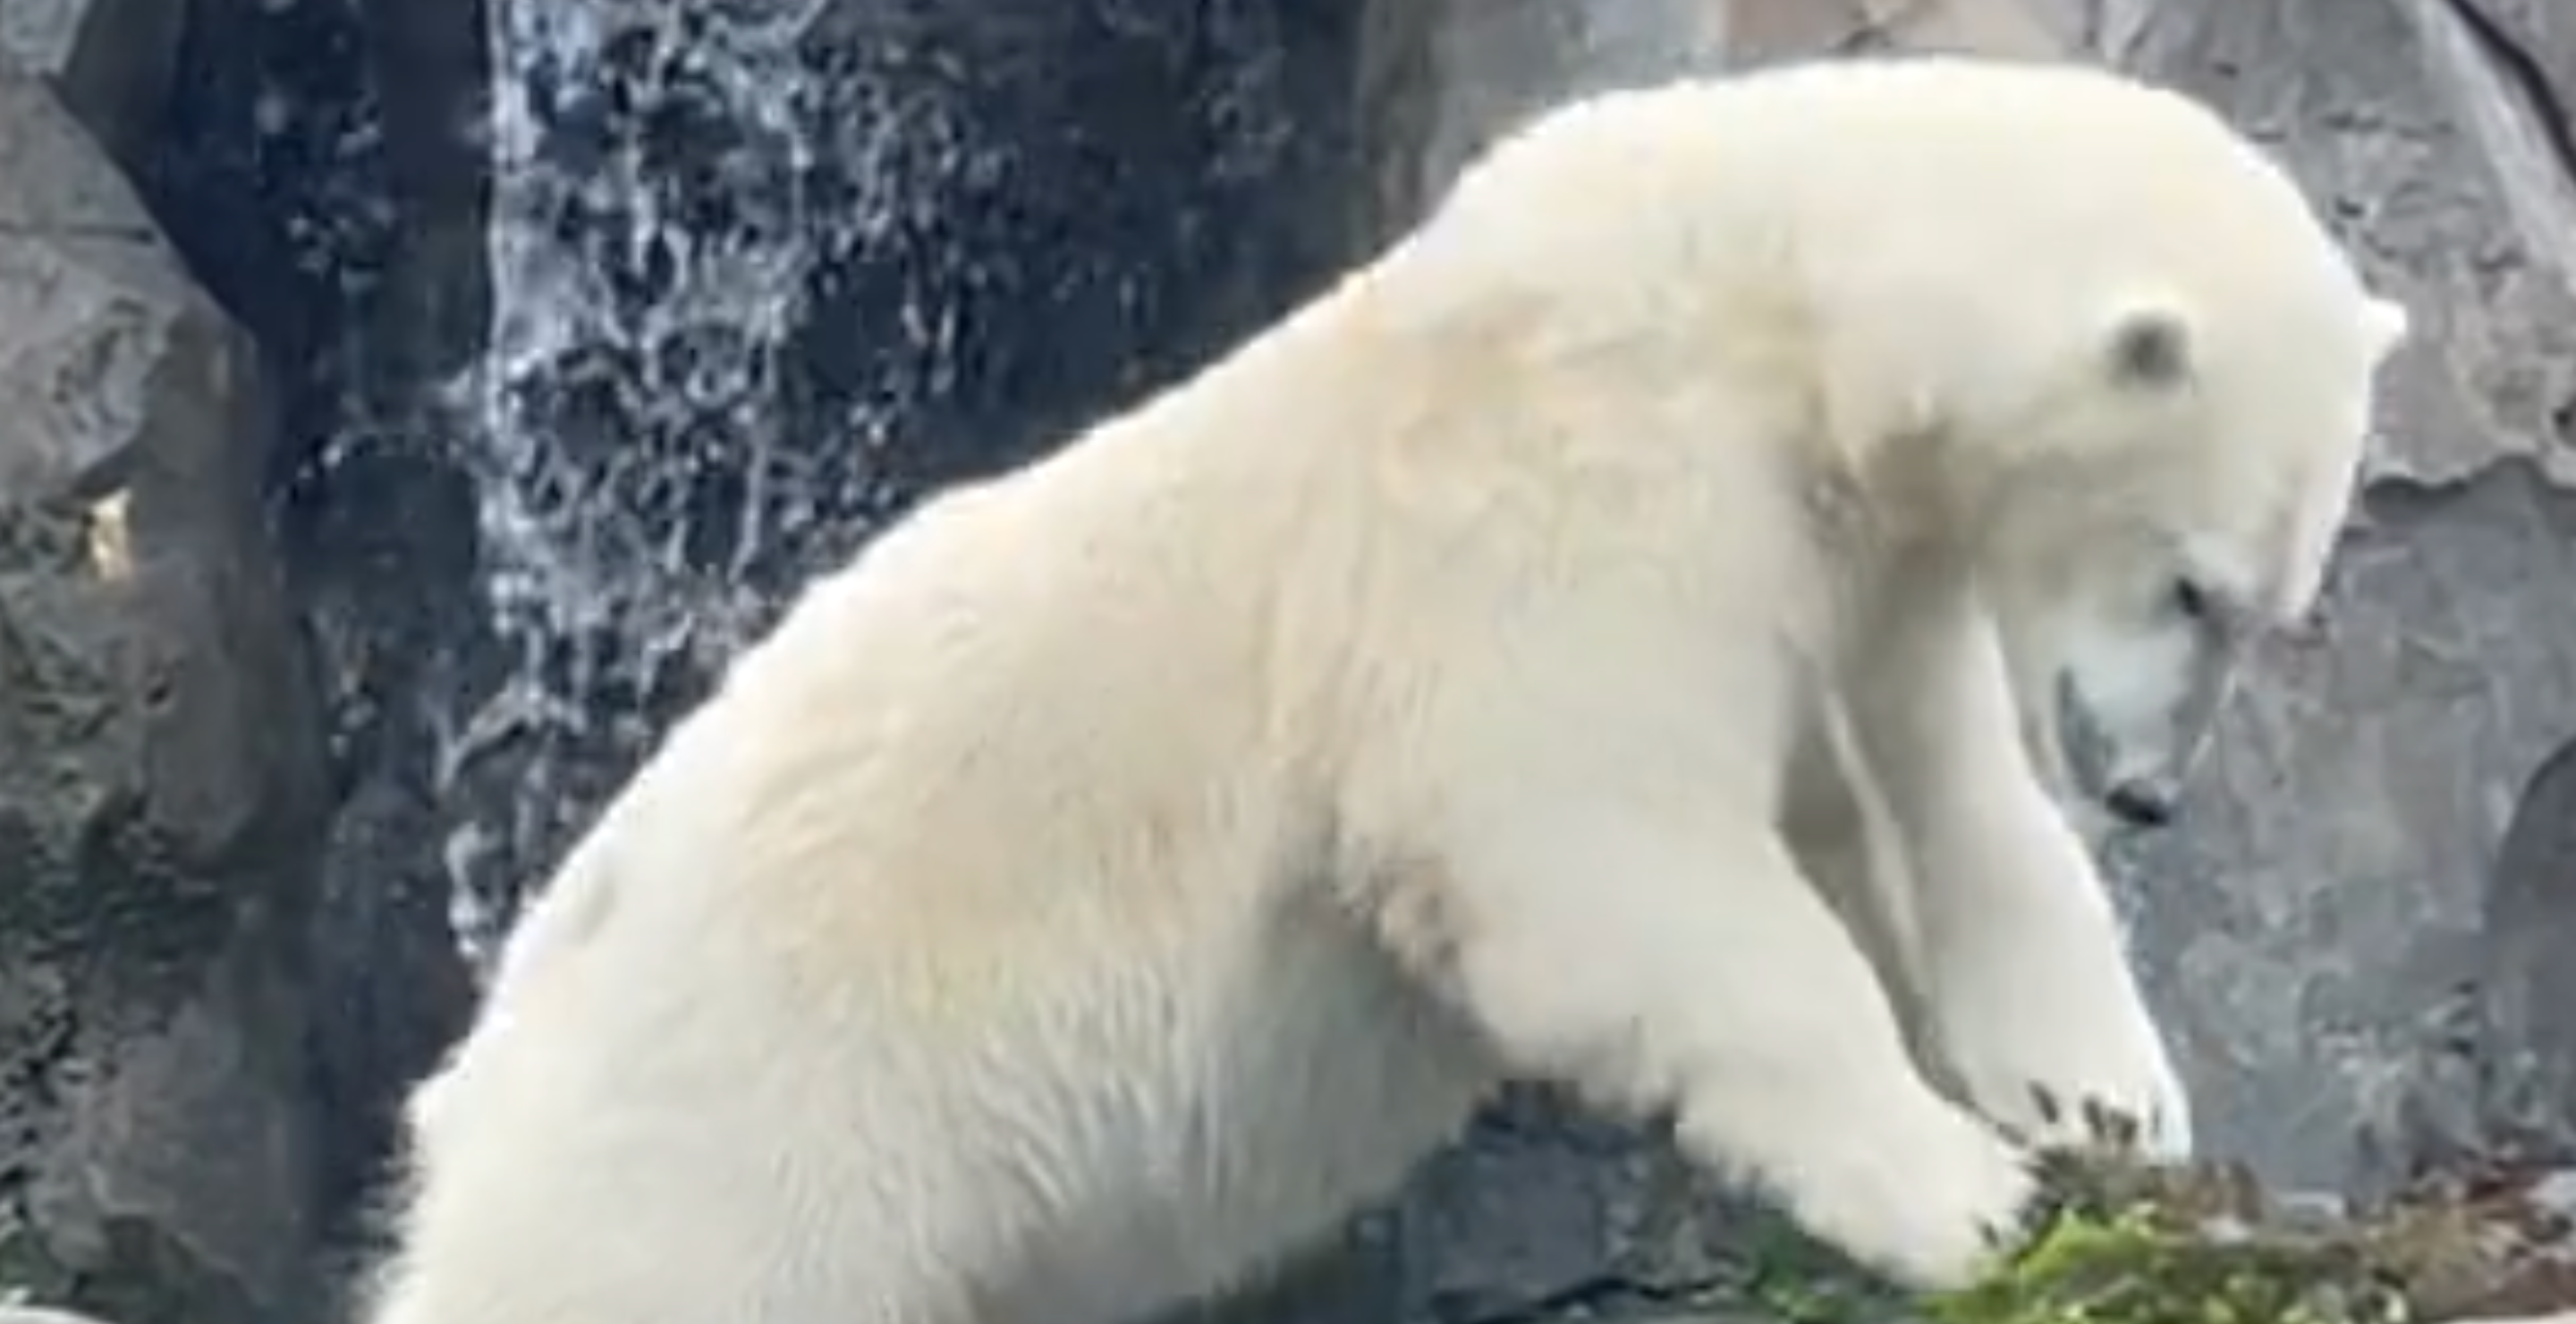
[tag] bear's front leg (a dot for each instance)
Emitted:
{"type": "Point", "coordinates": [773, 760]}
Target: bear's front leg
{"type": "Point", "coordinates": [2032, 1001]}
{"type": "Point", "coordinates": [1667, 955]}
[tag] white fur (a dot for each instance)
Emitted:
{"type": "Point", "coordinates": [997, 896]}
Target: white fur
{"type": "Point", "coordinates": [1134, 862]}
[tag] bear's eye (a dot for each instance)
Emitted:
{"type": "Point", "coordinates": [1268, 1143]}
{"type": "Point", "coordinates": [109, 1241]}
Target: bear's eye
{"type": "Point", "coordinates": [2192, 600]}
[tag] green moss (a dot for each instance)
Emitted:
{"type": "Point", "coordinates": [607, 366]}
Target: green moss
{"type": "Point", "coordinates": [2142, 1262]}
{"type": "Point", "coordinates": [2115, 1241]}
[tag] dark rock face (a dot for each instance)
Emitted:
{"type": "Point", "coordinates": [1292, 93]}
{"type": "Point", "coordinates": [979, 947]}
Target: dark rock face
{"type": "Point", "coordinates": [161, 797]}
{"type": "Point", "coordinates": [2522, 1043]}
{"type": "Point", "coordinates": [314, 165]}
{"type": "Point", "coordinates": [779, 270]}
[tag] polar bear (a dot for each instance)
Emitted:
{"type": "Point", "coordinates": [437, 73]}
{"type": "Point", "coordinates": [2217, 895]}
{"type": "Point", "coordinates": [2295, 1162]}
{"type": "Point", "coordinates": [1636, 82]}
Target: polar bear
{"type": "Point", "coordinates": [1133, 862]}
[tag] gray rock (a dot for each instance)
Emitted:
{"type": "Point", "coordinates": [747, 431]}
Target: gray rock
{"type": "Point", "coordinates": [2309, 929]}
{"type": "Point", "coordinates": [111, 60]}
{"type": "Point", "coordinates": [159, 802]}
{"type": "Point", "coordinates": [2522, 1043]}
{"type": "Point", "coordinates": [1485, 65]}
{"type": "Point", "coordinates": [1762, 31]}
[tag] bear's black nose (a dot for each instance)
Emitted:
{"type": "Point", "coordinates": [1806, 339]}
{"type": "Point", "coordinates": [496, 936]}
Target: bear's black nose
{"type": "Point", "coordinates": [2143, 803]}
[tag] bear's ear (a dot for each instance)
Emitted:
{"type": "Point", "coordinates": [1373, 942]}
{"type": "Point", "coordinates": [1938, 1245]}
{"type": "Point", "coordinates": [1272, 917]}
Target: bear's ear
{"type": "Point", "coordinates": [2384, 323]}
{"type": "Point", "coordinates": [2149, 346]}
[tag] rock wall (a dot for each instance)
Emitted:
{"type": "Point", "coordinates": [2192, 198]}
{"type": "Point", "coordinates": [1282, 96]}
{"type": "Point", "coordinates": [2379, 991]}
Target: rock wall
{"type": "Point", "coordinates": [310, 164]}
{"type": "Point", "coordinates": [159, 803]}
{"type": "Point", "coordinates": [2321, 935]}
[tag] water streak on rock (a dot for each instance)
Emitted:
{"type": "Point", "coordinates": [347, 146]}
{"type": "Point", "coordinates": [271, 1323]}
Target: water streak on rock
{"type": "Point", "coordinates": [649, 249]}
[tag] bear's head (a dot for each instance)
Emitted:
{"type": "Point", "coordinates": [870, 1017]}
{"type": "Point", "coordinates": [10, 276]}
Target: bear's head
{"type": "Point", "coordinates": [2184, 507]}
{"type": "Point", "coordinates": [2082, 337]}
{"type": "Point", "coordinates": [2065, 331]}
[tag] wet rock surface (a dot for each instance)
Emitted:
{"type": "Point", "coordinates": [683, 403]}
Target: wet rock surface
{"type": "Point", "coordinates": [161, 792]}
{"type": "Point", "coordinates": [315, 169]}
{"type": "Point", "coordinates": [788, 267]}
